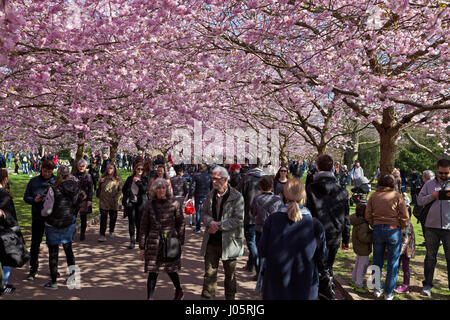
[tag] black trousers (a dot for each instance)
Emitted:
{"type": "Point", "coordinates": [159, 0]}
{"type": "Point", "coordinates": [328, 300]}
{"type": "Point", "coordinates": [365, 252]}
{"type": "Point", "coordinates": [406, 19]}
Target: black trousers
{"type": "Point", "coordinates": [53, 258]}
{"type": "Point", "coordinates": [37, 232]}
{"type": "Point", "coordinates": [134, 220]}
{"type": "Point", "coordinates": [332, 248]}
{"type": "Point", "coordinates": [104, 219]}
{"type": "Point", "coordinates": [151, 282]}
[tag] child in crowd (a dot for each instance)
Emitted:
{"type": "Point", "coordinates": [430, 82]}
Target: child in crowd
{"type": "Point", "coordinates": [362, 246]}
{"type": "Point", "coordinates": [408, 250]}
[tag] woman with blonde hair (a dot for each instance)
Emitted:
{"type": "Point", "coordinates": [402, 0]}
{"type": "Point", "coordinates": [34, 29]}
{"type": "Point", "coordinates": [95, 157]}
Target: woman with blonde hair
{"type": "Point", "coordinates": [293, 244]}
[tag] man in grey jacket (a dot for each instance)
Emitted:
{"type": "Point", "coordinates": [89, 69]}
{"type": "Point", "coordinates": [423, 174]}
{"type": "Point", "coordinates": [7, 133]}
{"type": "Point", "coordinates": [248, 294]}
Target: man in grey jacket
{"type": "Point", "coordinates": [223, 217]}
{"type": "Point", "coordinates": [437, 223]}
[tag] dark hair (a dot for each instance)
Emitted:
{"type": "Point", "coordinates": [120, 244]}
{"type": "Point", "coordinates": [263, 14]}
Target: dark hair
{"type": "Point", "coordinates": [165, 176]}
{"type": "Point", "coordinates": [360, 209]}
{"type": "Point", "coordinates": [324, 162]}
{"type": "Point", "coordinates": [266, 183]}
{"type": "Point", "coordinates": [179, 168]}
{"type": "Point", "coordinates": [3, 176]}
{"type": "Point", "coordinates": [48, 164]}
{"type": "Point", "coordinates": [444, 163]}
{"type": "Point", "coordinates": [386, 180]}
{"type": "Point", "coordinates": [277, 176]}
{"type": "Point", "coordinates": [115, 174]}
{"type": "Point", "coordinates": [137, 164]}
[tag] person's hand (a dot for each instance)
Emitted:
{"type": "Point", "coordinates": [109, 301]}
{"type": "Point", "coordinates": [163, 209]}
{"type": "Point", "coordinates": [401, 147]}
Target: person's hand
{"type": "Point", "coordinates": [142, 254]}
{"type": "Point", "coordinates": [213, 227]}
{"type": "Point", "coordinates": [345, 246]}
{"type": "Point", "coordinates": [2, 214]}
{"type": "Point", "coordinates": [38, 198]}
{"type": "Point", "coordinates": [435, 194]}
{"type": "Point", "coordinates": [89, 203]}
{"type": "Point", "coordinates": [102, 179]}
{"type": "Point", "coordinates": [136, 179]}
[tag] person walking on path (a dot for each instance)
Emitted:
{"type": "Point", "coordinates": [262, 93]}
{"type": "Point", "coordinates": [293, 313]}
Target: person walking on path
{"type": "Point", "coordinates": [35, 193]}
{"type": "Point", "coordinates": [362, 246]}
{"type": "Point", "coordinates": [387, 213]}
{"type": "Point", "coordinates": [161, 212]}
{"type": "Point", "coordinates": [280, 180]}
{"type": "Point", "coordinates": [134, 200]}
{"type": "Point", "coordinates": [109, 191]}
{"type": "Point", "coordinates": [357, 172]}
{"type": "Point", "coordinates": [86, 187]}
{"type": "Point", "coordinates": [200, 186]}
{"type": "Point", "coordinates": [293, 244]}
{"type": "Point", "coordinates": [328, 202]}
{"type": "Point", "coordinates": [427, 175]}
{"type": "Point", "coordinates": [223, 217]}
{"type": "Point", "coordinates": [60, 208]}
{"type": "Point", "coordinates": [94, 171]}
{"type": "Point", "coordinates": [437, 223]}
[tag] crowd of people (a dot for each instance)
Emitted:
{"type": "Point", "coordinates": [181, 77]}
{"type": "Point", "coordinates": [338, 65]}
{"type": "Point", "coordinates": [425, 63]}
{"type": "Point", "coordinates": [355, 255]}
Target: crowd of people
{"type": "Point", "coordinates": [292, 230]}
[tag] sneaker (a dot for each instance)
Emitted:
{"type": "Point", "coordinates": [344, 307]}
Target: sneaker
{"type": "Point", "coordinates": [247, 268]}
{"type": "Point", "coordinates": [8, 289]}
{"type": "Point", "coordinates": [102, 239]}
{"type": "Point", "coordinates": [426, 291]}
{"type": "Point", "coordinates": [31, 276]}
{"type": "Point", "coordinates": [352, 284]}
{"type": "Point", "coordinates": [179, 295]}
{"type": "Point", "coordinates": [111, 235]}
{"type": "Point", "coordinates": [389, 297]}
{"type": "Point", "coordinates": [51, 285]}
{"type": "Point", "coordinates": [402, 289]}
{"type": "Point", "coordinates": [361, 289]}
{"type": "Point", "coordinates": [378, 293]}
{"type": "Point", "coordinates": [197, 230]}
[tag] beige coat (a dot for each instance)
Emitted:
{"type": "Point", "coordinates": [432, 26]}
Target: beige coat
{"type": "Point", "coordinates": [110, 192]}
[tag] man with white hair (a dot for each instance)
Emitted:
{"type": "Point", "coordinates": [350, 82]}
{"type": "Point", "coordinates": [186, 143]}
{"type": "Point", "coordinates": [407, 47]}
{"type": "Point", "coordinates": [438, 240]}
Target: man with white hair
{"type": "Point", "coordinates": [223, 217]}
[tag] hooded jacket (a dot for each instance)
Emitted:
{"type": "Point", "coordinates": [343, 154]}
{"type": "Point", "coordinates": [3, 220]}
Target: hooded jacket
{"type": "Point", "coordinates": [65, 204]}
{"type": "Point", "coordinates": [328, 202]}
{"type": "Point", "coordinates": [250, 189]}
{"type": "Point", "coordinates": [361, 236]}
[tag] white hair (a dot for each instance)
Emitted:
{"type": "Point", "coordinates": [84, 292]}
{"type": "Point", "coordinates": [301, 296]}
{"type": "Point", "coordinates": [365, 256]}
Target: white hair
{"type": "Point", "coordinates": [223, 172]}
{"type": "Point", "coordinates": [428, 174]}
{"type": "Point", "coordinates": [82, 162]}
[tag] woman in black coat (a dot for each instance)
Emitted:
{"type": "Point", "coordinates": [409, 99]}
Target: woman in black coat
{"type": "Point", "coordinates": [134, 199]}
{"type": "Point", "coordinates": [94, 169]}
{"type": "Point", "coordinates": [8, 219]}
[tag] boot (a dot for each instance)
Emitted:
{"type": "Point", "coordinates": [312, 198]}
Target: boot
{"type": "Point", "coordinates": [132, 243]}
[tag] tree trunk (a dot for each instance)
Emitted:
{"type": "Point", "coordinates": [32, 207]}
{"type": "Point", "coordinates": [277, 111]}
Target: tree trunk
{"type": "Point", "coordinates": [113, 151]}
{"type": "Point", "coordinates": [78, 157]}
{"type": "Point", "coordinates": [388, 141]}
{"type": "Point", "coordinates": [321, 148]}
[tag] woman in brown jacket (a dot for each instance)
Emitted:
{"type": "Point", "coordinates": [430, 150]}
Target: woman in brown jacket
{"type": "Point", "coordinates": [163, 208]}
{"type": "Point", "coordinates": [386, 212]}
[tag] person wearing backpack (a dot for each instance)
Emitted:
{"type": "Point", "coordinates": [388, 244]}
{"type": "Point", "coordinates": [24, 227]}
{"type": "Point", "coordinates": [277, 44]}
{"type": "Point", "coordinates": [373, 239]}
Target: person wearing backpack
{"type": "Point", "coordinates": [417, 210]}
{"type": "Point", "coordinates": [437, 223]}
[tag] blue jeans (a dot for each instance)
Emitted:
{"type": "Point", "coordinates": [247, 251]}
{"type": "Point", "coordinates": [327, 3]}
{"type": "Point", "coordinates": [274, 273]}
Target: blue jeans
{"type": "Point", "coordinates": [433, 237]}
{"type": "Point", "coordinates": [198, 206]}
{"type": "Point", "coordinates": [24, 168]}
{"type": "Point", "coordinates": [9, 163]}
{"type": "Point", "coordinates": [384, 236]}
{"type": "Point", "coordinates": [6, 272]}
{"type": "Point", "coordinates": [250, 238]}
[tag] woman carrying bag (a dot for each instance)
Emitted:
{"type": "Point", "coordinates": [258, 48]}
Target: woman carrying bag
{"type": "Point", "coordinates": [134, 200]}
{"type": "Point", "coordinates": [162, 217]}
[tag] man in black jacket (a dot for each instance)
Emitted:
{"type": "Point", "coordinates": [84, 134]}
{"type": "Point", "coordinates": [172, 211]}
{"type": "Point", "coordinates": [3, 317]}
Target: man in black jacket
{"type": "Point", "coordinates": [249, 187]}
{"type": "Point", "coordinates": [201, 185]}
{"type": "Point", "coordinates": [35, 194]}
{"type": "Point", "coordinates": [328, 202]}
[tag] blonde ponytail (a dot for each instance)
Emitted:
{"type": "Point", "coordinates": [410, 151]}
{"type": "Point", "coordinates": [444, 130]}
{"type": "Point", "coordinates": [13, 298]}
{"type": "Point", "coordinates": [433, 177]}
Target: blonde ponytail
{"type": "Point", "coordinates": [294, 191]}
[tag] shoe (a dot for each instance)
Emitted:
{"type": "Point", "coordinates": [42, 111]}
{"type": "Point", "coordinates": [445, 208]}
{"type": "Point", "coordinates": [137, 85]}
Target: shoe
{"type": "Point", "coordinates": [352, 284]}
{"type": "Point", "coordinates": [32, 275]}
{"type": "Point", "coordinates": [179, 295]}
{"type": "Point", "coordinates": [247, 268]}
{"type": "Point", "coordinates": [361, 289]}
{"type": "Point", "coordinates": [426, 291]}
{"type": "Point", "coordinates": [197, 230]}
{"type": "Point", "coordinates": [378, 293]}
{"type": "Point", "coordinates": [51, 285]}
{"type": "Point", "coordinates": [132, 244]}
{"type": "Point", "coordinates": [82, 237]}
{"type": "Point", "coordinates": [7, 289]}
{"type": "Point", "coordinates": [111, 235]}
{"type": "Point", "coordinates": [402, 289]}
{"type": "Point", "coordinates": [389, 297]}
{"type": "Point", "coordinates": [102, 239]}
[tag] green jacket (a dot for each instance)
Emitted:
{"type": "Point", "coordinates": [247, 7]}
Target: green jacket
{"type": "Point", "coordinates": [109, 193]}
{"type": "Point", "coordinates": [231, 224]}
{"type": "Point", "coordinates": [361, 236]}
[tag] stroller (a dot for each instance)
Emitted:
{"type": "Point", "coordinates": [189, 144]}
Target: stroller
{"type": "Point", "coordinates": [360, 191]}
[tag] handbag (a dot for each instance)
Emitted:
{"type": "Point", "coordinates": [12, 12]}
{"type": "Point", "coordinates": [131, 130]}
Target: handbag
{"type": "Point", "coordinates": [189, 208]}
{"type": "Point", "coordinates": [13, 252]}
{"type": "Point", "coordinates": [422, 214]}
{"type": "Point", "coordinates": [171, 247]}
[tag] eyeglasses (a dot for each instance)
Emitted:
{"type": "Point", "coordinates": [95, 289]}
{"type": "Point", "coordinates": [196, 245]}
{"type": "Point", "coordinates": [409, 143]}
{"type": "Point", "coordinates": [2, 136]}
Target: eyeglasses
{"type": "Point", "coordinates": [443, 173]}
{"type": "Point", "coordinates": [215, 179]}
{"type": "Point", "coordinates": [283, 170]}
{"type": "Point", "coordinates": [140, 169]}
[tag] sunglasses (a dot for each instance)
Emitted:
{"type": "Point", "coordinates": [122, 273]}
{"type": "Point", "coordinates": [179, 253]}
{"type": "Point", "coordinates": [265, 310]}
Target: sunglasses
{"type": "Point", "coordinates": [443, 173]}
{"type": "Point", "coordinates": [140, 169]}
{"type": "Point", "coordinates": [283, 170]}
{"type": "Point", "coordinates": [215, 179]}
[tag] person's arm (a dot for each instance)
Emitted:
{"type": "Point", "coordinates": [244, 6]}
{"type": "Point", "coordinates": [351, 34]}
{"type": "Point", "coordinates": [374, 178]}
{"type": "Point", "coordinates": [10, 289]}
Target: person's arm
{"type": "Point", "coordinates": [193, 185]}
{"type": "Point", "coordinates": [90, 189]}
{"type": "Point", "coordinates": [206, 215]}
{"type": "Point", "coordinates": [368, 213]}
{"type": "Point", "coordinates": [179, 222]}
{"type": "Point", "coordinates": [263, 245]}
{"type": "Point", "coordinates": [425, 196]}
{"type": "Point", "coordinates": [28, 196]}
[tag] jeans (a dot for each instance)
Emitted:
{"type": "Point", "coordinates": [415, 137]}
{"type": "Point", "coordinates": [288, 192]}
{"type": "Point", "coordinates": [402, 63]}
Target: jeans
{"type": "Point", "coordinates": [37, 232]}
{"type": "Point", "coordinates": [404, 261]}
{"type": "Point", "coordinates": [212, 257]}
{"type": "Point", "coordinates": [134, 219]}
{"type": "Point", "coordinates": [104, 219]}
{"type": "Point", "coordinates": [9, 163]}
{"type": "Point", "coordinates": [433, 237]}
{"type": "Point", "coordinates": [198, 206]}
{"type": "Point", "coordinates": [7, 273]}
{"type": "Point", "coordinates": [385, 236]}
{"type": "Point", "coordinates": [24, 168]}
{"type": "Point", "coordinates": [250, 238]}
